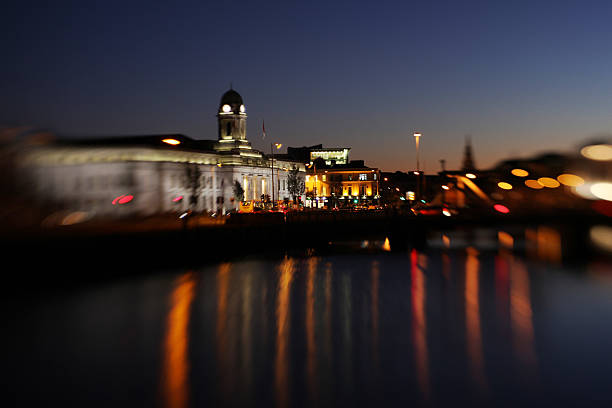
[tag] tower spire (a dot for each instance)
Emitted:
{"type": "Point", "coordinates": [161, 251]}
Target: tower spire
{"type": "Point", "coordinates": [468, 160]}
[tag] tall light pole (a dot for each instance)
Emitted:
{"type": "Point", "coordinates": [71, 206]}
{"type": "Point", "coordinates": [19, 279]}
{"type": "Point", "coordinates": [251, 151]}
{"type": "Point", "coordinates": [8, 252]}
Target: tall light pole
{"type": "Point", "coordinates": [272, 146]}
{"type": "Point", "coordinates": [417, 136]}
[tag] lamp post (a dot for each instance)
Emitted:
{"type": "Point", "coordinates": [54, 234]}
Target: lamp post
{"type": "Point", "coordinates": [417, 137]}
{"type": "Point", "coordinates": [272, 146]}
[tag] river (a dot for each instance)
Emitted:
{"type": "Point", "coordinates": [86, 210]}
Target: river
{"type": "Point", "coordinates": [452, 324]}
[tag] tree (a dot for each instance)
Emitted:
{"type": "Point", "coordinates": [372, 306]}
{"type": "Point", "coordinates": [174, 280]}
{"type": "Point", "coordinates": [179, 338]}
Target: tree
{"type": "Point", "coordinates": [238, 191]}
{"type": "Point", "coordinates": [295, 184]}
{"type": "Point", "coordinates": [193, 175]}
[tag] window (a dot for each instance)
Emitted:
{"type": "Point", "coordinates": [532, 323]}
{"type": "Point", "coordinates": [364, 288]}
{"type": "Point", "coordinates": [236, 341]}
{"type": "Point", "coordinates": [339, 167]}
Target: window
{"type": "Point", "coordinates": [324, 178]}
{"type": "Point", "coordinates": [229, 129]}
{"type": "Point", "coordinates": [363, 177]}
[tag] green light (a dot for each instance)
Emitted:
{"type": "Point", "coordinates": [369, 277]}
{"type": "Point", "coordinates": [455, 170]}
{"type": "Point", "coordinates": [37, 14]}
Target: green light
{"type": "Point", "coordinates": [423, 201]}
{"type": "Point", "coordinates": [355, 201]}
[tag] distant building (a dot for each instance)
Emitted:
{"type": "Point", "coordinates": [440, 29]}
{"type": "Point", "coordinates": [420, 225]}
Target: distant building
{"type": "Point", "coordinates": [346, 184]}
{"type": "Point", "coordinates": [155, 174]}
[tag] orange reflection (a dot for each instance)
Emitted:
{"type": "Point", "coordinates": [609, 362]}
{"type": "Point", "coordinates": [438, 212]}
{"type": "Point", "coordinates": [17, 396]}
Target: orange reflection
{"type": "Point", "coordinates": [472, 319]}
{"type": "Point", "coordinates": [246, 335]}
{"type": "Point", "coordinates": [176, 365]}
{"type": "Point", "coordinates": [522, 316]}
{"type": "Point", "coordinates": [281, 366]}
{"type": "Point", "coordinates": [419, 328]}
{"type": "Point", "coordinates": [311, 347]}
{"type": "Point", "coordinates": [328, 311]}
{"type": "Point", "coordinates": [549, 244]}
{"type": "Point", "coordinates": [223, 275]}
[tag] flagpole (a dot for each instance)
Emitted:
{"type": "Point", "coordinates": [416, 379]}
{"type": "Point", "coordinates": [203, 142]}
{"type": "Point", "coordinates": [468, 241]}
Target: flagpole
{"type": "Point", "coordinates": [272, 151]}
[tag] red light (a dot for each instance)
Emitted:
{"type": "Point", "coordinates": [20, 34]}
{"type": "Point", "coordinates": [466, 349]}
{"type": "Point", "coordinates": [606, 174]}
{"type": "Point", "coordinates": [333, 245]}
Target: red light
{"type": "Point", "coordinates": [117, 199]}
{"type": "Point", "coordinates": [501, 208]}
{"type": "Point", "coordinates": [126, 199]}
{"type": "Point", "coordinates": [177, 199]}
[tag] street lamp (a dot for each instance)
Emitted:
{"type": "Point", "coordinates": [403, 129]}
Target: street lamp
{"type": "Point", "coordinates": [272, 146]}
{"type": "Point", "coordinates": [417, 136]}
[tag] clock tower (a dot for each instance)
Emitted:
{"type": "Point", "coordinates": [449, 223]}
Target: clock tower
{"type": "Point", "coordinates": [232, 117]}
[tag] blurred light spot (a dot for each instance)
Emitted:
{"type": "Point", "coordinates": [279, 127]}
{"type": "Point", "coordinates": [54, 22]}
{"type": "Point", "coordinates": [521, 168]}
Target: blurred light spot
{"type": "Point", "coordinates": [172, 142]}
{"type": "Point", "coordinates": [601, 236]}
{"type": "Point", "coordinates": [548, 182]}
{"type": "Point", "coordinates": [533, 184]}
{"type": "Point", "coordinates": [126, 199]}
{"type": "Point", "coordinates": [116, 200]}
{"type": "Point", "coordinates": [177, 199]}
{"type": "Point", "coordinates": [446, 212]}
{"type": "Point", "coordinates": [183, 215]}
{"type": "Point", "coordinates": [75, 218]}
{"type": "Point", "coordinates": [570, 180]}
{"type": "Point", "coordinates": [505, 239]}
{"type": "Point", "coordinates": [445, 187]}
{"type": "Point", "coordinates": [584, 191]}
{"type": "Point", "coordinates": [501, 208]}
{"type": "Point", "coordinates": [602, 191]}
{"type": "Point", "coordinates": [504, 185]}
{"type": "Point", "coordinates": [470, 175]}
{"type": "Point", "coordinates": [597, 152]}
{"type": "Point", "coordinates": [446, 241]}
{"type": "Point", "coordinates": [520, 172]}
{"type": "Point", "coordinates": [387, 245]}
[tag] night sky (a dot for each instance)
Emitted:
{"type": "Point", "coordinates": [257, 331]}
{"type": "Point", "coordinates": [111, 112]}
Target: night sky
{"type": "Point", "coordinates": [519, 77]}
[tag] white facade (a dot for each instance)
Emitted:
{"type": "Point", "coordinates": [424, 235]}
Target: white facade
{"type": "Point", "coordinates": [153, 177]}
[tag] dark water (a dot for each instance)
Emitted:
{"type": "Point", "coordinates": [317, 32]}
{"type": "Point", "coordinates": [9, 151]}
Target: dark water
{"type": "Point", "coordinates": [442, 327]}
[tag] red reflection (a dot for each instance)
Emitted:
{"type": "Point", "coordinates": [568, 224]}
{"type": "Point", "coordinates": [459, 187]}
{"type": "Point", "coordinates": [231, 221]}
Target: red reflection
{"type": "Point", "coordinates": [177, 199]}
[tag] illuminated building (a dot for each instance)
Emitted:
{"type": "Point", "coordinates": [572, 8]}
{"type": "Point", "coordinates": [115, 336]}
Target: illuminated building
{"type": "Point", "coordinates": [162, 173]}
{"type": "Point", "coordinates": [341, 185]}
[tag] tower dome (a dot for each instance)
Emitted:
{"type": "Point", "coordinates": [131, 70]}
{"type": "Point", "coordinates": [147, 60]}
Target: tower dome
{"type": "Point", "coordinates": [231, 101]}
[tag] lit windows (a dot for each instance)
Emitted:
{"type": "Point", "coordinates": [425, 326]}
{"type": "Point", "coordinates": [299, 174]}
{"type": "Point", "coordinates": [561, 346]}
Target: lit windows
{"type": "Point", "coordinates": [363, 177]}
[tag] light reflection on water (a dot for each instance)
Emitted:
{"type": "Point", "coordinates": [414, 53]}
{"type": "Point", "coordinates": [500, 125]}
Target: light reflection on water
{"type": "Point", "coordinates": [420, 328]}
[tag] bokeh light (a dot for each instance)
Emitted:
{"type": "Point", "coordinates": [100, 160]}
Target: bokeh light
{"type": "Point", "coordinates": [570, 180]}
{"type": "Point", "coordinates": [504, 185]}
{"type": "Point", "coordinates": [548, 182]}
{"type": "Point", "coordinates": [602, 152]}
{"type": "Point", "coordinates": [501, 208]}
{"type": "Point", "coordinates": [533, 184]}
{"type": "Point", "coordinates": [520, 172]}
{"type": "Point", "coordinates": [601, 236]}
{"type": "Point", "coordinates": [602, 191]}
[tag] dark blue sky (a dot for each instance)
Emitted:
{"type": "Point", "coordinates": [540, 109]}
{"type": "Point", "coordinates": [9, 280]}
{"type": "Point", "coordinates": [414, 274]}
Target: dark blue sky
{"type": "Point", "coordinates": [520, 77]}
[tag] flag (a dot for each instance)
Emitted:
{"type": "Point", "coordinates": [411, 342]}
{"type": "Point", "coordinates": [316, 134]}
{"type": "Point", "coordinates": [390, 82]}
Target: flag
{"type": "Point", "coordinates": [263, 127]}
